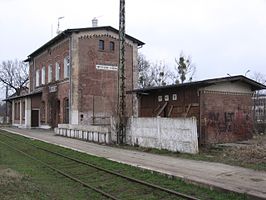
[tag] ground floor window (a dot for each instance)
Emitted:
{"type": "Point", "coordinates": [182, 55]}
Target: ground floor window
{"type": "Point", "coordinates": [23, 110]}
{"type": "Point", "coordinates": [17, 111]}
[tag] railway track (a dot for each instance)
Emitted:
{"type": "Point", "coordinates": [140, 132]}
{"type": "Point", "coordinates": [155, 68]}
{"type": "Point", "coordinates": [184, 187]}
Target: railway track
{"type": "Point", "coordinates": [86, 173]}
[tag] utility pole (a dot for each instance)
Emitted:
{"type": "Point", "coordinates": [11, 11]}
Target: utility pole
{"type": "Point", "coordinates": [121, 76]}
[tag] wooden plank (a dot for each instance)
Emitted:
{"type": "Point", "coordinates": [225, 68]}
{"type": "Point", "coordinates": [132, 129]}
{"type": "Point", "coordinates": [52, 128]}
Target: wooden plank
{"type": "Point", "coordinates": [170, 111]}
{"type": "Point", "coordinates": [161, 110]}
{"type": "Point", "coordinates": [189, 106]}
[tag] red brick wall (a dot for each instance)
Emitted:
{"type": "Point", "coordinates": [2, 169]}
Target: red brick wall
{"type": "Point", "coordinates": [50, 56]}
{"type": "Point", "coordinates": [226, 117]}
{"type": "Point", "coordinates": [36, 102]}
{"type": "Point", "coordinates": [54, 101]}
{"type": "Point", "coordinates": [98, 88]}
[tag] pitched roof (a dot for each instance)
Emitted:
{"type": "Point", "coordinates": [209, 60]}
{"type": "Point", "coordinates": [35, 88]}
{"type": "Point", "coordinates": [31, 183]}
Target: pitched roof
{"type": "Point", "coordinates": [208, 82]}
{"type": "Point", "coordinates": [14, 96]}
{"type": "Point", "coordinates": [68, 32]}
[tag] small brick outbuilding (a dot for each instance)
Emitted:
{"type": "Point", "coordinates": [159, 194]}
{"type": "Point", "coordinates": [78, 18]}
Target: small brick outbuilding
{"type": "Point", "coordinates": [222, 106]}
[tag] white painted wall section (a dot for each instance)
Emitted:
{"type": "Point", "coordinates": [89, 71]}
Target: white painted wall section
{"type": "Point", "coordinates": [173, 134]}
{"type": "Point", "coordinates": [237, 87]}
{"type": "Point", "coordinates": [98, 134]}
{"type": "Point", "coordinates": [28, 112]}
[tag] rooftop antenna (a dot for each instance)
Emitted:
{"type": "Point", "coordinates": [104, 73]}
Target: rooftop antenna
{"type": "Point", "coordinates": [247, 72]}
{"type": "Point", "coordinates": [58, 24]}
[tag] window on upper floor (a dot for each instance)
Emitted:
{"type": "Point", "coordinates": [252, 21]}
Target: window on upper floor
{"type": "Point", "coordinates": [43, 75]}
{"type": "Point", "coordinates": [66, 67]}
{"type": "Point", "coordinates": [112, 46]}
{"type": "Point", "coordinates": [37, 78]}
{"type": "Point", "coordinates": [50, 73]}
{"type": "Point", "coordinates": [101, 45]}
{"type": "Point", "coordinates": [57, 71]}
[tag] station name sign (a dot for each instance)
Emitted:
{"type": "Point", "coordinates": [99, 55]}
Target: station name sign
{"type": "Point", "coordinates": [52, 88]}
{"type": "Point", "coordinates": [107, 67]}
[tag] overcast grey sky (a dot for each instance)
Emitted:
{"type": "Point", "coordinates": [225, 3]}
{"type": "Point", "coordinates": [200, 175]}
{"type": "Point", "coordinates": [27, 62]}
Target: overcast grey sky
{"type": "Point", "coordinates": [221, 36]}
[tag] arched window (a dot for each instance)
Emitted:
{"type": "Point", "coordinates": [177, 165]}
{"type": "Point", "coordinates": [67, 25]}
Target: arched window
{"type": "Point", "coordinates": [66, 67]}
{"type": "Point", "coordinates": [57, 71]}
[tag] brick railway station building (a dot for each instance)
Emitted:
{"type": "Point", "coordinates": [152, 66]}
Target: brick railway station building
{"type": "Point", "coordinates": [73, 79]}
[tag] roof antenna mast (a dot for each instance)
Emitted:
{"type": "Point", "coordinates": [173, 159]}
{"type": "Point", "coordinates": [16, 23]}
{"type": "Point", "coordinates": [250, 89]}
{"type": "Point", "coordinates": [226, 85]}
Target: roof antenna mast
{"type": "Point", "coordinates": [121, 134]}
{"type": "Point", "coordinates": [58, 25]}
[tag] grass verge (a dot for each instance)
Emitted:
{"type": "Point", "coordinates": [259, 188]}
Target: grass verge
{"type": "Point", "coordinates": [47, 184]}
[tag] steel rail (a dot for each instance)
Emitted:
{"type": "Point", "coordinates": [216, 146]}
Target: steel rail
{"type": "Point", "coordinates": [188, 197]}
{"type": "Point", "coordinates": [61, 172]}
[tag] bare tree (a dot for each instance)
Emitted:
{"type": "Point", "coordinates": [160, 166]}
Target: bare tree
{"type": "Point", "coordinates": [259, 107]}
{"type": "Point", "coordinates": [259, 77]}
{"type": "Point", "coordinates": [152, 74]}
{"type": "Point", "coordinates": [14, 75]}
{"type": "Point", "coordinates": [143, 67]}
{"type": "Point", "coordinates": [185, 69]}
{"type": "Point", "coordinates": [160, 74]}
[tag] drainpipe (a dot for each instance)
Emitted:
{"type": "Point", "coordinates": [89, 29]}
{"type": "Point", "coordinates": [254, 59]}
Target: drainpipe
{"type": "Point", "coordinates": [200, 102]}
{"type": "Point", "coordinates": [70, 81]}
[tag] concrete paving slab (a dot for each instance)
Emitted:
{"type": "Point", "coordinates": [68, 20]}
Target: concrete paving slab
{"type": "Point", "coordinates": [215, 175]}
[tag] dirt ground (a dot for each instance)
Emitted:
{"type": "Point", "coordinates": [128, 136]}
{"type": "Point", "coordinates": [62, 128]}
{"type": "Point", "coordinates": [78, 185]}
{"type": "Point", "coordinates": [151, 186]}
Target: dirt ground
{"type": "Point", "coordinates": [246, 153]}
{"type": "Point", "coordinates": [8, 176]}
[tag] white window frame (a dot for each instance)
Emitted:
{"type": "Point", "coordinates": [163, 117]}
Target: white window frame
{"type": "Point", "coordinates": [43, 75]}
{"type": "Point", "coordinates": [160, 98]}
{"type": "Point", "coordinates": [57, 71]}
{"type": "Point", "coordinates": [37, 78]}
{"type": "Point", "coordinates": [66, 67]}
{"type": "Point", "coordinates": [50, 73]}
{"type": "Point", "coordinates": [174, 97]}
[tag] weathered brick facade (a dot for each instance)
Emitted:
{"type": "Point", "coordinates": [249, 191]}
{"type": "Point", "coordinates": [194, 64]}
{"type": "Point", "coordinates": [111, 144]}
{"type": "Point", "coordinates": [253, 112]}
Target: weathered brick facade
{"type": "Point", "coordinates": [98, 88]}
{"type": "Point", "coordinates": [73, 78]}
{"type": "Point", "coordinates": [226, 117]}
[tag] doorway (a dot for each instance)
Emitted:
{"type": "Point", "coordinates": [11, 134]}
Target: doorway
{"type": "Point", "coordinates": [34, 118]}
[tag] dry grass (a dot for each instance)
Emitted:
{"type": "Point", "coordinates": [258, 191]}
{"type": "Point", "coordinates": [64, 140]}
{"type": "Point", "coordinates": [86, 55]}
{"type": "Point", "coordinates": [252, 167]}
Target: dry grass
{"type": "Point", "coordinates": [247, 153]}
{"type": "Point", "coordinates": [9, 176]}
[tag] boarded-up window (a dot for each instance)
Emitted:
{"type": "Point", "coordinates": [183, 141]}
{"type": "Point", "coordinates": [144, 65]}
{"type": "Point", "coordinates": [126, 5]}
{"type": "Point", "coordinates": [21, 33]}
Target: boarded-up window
{"type": "Point", "coordinates": [43, 111]}
{"type": "Point", "coordinates": [23, 110]}
{"type": "Point", "coordinates": [66, 111]}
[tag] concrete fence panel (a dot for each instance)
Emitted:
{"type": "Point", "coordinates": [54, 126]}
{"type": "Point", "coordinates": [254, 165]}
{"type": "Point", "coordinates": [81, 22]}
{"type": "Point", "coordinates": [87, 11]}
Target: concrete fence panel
{"type": "Point", "coordinates": [173, 134]}
{"type": "Point", "coordinates": [96, 134]}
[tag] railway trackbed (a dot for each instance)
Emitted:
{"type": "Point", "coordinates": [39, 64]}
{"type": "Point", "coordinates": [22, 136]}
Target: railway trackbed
{"type": "Point", "coordinates": [86, 173]}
